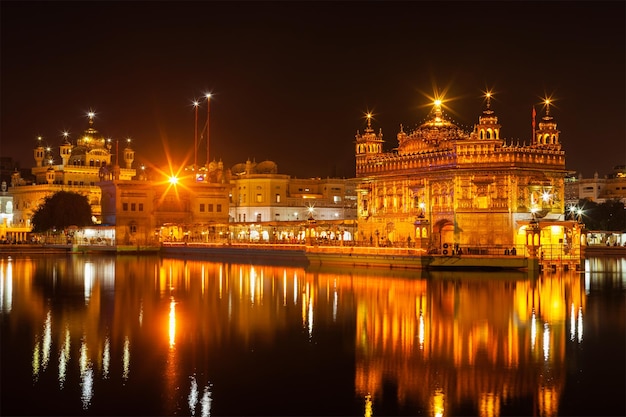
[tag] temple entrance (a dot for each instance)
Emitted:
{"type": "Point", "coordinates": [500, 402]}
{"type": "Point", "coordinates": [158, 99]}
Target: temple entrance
{"type": "Point", "coordinates": [443, 235]}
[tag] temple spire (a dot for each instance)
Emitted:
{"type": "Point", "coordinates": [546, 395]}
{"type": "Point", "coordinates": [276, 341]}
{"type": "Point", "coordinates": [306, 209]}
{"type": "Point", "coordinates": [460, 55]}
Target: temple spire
{"type": "Point", "coordinates": [91, 114]}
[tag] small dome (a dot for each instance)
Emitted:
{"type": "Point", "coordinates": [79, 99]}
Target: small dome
{"type": "Point", "coordinates": [238, 169]}
{"type": "Point", "coordinates": [266, 167]}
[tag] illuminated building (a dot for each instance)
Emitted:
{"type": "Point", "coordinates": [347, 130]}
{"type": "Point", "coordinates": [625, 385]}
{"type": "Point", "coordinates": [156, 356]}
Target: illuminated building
{"type": "Point", "coordinates": [146, 212]}
{"type": "Point", "coordinates": [596, 189]}
{"type": "Point", "coordinates": [8, 232]}
{"type": "Point", "coordinates": [280, 203]}
{"type": "Point", "coordinates": [443, 186]}
{"type": "Point", "coordinates": [80, 167]}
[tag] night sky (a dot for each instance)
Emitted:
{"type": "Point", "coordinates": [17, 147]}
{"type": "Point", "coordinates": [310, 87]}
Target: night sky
{"type": "Point", "coordinates": [291, 81]}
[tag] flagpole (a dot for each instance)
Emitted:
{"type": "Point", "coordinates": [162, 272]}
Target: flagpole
{"type": "Point", "coordinates": [532, 136]}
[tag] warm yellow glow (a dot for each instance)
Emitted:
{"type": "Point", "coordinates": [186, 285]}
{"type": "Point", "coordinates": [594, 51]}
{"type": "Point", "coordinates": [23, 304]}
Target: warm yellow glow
{"type": "Point", "coordinates": [438, 103]}
{"type": "Point", "coordinates": [368, 406]}
{"type": "Point", "coordinates": [208, 95]}
{"type": "Point", "coordinates": [438, 403]}
{"type": "Point", "coordinates": [195, 103]}
{"type": "Point", "coordinates": [173, 180]}
{"type": "Point", "coordinates": [172, 323]}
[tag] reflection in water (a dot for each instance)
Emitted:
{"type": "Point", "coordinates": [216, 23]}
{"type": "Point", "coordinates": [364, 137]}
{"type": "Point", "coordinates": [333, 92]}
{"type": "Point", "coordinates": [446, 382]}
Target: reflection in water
{"type": "Point", "coordinates": [437, 342]}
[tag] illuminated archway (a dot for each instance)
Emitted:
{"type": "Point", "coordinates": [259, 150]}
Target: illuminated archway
{"type": "Point", "coordinates": [443, 233]}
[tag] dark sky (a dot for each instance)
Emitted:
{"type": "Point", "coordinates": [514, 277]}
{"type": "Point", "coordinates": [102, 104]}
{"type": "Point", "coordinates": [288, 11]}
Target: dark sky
{"type": "Point", "coordinates": [292, 80]}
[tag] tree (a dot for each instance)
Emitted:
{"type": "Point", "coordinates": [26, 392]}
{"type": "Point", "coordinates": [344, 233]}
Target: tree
{"type": "Point", "coordinates": [609, 216]}
{"type": "Point", "coordinates": [60, 210]}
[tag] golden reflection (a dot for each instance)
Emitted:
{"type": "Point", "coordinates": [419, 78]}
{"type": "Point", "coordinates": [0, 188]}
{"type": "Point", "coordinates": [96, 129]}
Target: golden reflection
{"type": "Point", "coordinates": [86, 375]}
{"type": "Point", "coordinates": [36, 359]}
{"type": "Point", "coordinates": [172, 323]}
{"type": "Point", "coordinates": [546, 341]}
{"type": "Point", "coordinates": [285, 288]}
{"type": "Point", "coordinates": [207, 400]}
{"type": "Point", "coordinates": [106, 358]}
{"type": "Point", "coordinates": [489, 405]}
{"type": "Point", "coordinates": [126, 359]}
{"type": "Point", "coordinates": [252, 284]}
{"type": "Point", "coordinates": [311, 303]}
{"type": "Point", "coordinates": [192, 398]}
{"type": "Point", "coordinates": [295, 288]}
{"type": "Point", "coordinates": [89, 277]}
{"type": "Point", "coordinates": [368, 406]}
{"type": "Point", "coordinates": [485, 330]}
{"type": "Point", "coordinates": [64, 358]}
{"type": "Point", "coordinates": [549, 401]}
{"type": "Point", "coordinates": [439, 340]}
{"type": "Point", "coordinates": [6, 285]}
{"type": "Point", "coordinates": [46, 343]}
{"type": "Point", "coordinates": [580, 324]}
{"type": "Point", "coordinates": [437, 402]}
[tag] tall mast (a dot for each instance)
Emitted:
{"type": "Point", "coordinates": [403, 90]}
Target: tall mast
{"type": "Point", "coordinates": [208, 116]}
{"type": "Point", "coordinates": [195, 143]}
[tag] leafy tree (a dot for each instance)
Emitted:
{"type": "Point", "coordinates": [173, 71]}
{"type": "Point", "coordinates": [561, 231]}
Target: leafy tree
{"type": "Point", "coordinates": [60, 210]}
{"type": "Point", "coordinates": [609, 216]}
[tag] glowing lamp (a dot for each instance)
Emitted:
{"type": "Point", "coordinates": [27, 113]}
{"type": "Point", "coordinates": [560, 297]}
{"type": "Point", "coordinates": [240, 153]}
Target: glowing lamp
{"type": "Point", "coordinates": [173, 180]}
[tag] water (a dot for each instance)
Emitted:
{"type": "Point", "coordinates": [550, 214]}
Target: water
{"type": "Point", "coordinates": [149, 336]}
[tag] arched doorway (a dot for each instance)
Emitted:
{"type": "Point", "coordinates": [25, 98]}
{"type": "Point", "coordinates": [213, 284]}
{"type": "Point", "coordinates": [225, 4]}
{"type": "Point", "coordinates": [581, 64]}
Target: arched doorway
{"type": "Point", "coordinates": [443, 234]}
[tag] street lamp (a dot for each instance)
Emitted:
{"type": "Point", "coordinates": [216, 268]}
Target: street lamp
{"type": "Point", "coordinates": [208, 116]}
{"type": "Point", "coordinates": [579, 213]}
{"type": "Point", "coordinates": [196, 104]}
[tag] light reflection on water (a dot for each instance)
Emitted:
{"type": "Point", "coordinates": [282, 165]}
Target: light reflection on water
{"type": "Point", "coordinates": [145, 335]}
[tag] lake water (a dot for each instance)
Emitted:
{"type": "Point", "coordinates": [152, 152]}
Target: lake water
{"type": "Point", "coordinates": [145, 335]}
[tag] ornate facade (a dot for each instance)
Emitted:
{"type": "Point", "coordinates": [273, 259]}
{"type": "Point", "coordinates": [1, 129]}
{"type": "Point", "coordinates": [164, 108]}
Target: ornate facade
{"type": "Point", "coordinates": [597, 189]}
{"type": "Point", "coordinates": [281, 205]}
{"type": "Point", "coordinates": [444, 186]}
{"type": "Point", "coordinates": [146, 212]}
{"type": "Point", "coordinates": [82, 166]}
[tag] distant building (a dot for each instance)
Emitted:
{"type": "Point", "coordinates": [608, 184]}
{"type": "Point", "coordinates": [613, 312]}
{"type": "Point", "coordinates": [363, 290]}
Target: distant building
{"type": "Point", "coordinates": [77, 168]}
{"type": "Point", "coordinates": [442, 186]}
{"type": "Point", "coordinates": [282, 205]}
{"type": "Point", "coordinates": [597, 189]}
{"type": "Point", "coordinates": [146, 212]}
